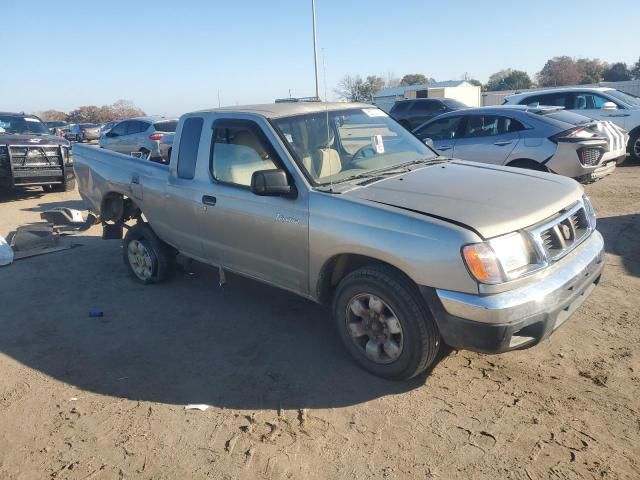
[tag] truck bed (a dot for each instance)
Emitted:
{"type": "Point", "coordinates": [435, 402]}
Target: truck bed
{"type": "Point", "coordinates": [101, 171]}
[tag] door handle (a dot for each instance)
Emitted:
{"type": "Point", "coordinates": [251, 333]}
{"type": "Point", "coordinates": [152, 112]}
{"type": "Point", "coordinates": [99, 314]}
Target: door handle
{"type": "Point", "coordinates": [208, 200]}
{"type": "Point", "coordinates": [444, 147]}
{"type": "Point", "coordinates": [618, 115]}
{"type": "Point", "coordinates": [502, 143]}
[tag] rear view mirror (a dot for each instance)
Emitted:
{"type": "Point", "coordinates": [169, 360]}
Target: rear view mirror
{"type": "Point", "coordinates": [270, 183]}
{"type": "Point", "coordinates": [609, 106]}
{"type": "Point", "coordinates": [428, 142]}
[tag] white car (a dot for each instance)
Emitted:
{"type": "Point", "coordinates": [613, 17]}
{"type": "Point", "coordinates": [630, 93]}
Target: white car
{"type": "Point", "coordinates": [600, 103]}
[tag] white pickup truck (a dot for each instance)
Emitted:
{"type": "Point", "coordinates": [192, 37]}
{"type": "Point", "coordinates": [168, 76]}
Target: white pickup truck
{"type": "Point", "coordinates": [340, 204]}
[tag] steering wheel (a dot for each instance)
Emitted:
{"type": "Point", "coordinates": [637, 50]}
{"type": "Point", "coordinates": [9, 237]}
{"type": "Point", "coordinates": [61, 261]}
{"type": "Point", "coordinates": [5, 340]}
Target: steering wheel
{"type": "Point", "coordinates": [361, 152]}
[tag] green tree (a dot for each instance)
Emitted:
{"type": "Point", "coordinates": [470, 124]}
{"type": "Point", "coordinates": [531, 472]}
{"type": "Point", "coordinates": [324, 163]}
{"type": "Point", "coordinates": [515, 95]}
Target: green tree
{"type": "Point", "coordinates": [415, 79]}
{"type": "Point", "coordinates": [509, 79]}
{"type": "Point", "coordinates": [618, 72]}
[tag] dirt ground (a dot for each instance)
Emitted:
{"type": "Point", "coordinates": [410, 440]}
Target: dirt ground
{"type": "Point", "coordinates": [104, 398]}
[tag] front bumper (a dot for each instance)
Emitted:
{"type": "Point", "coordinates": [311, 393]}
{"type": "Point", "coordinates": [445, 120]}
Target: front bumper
{"type": "Point", "coordinates": [522, 317]}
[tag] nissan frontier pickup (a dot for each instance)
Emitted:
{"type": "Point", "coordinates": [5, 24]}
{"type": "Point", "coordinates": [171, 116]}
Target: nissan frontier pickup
{"type": "Point", "coordinates": [340, 204]}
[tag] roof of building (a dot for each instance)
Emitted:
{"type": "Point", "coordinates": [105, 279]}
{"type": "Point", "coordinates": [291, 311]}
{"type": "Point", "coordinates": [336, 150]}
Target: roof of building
{"type": "Point", "coordinates": [288, 109]}
{"type": "Point", "coordinates": [392, 92]}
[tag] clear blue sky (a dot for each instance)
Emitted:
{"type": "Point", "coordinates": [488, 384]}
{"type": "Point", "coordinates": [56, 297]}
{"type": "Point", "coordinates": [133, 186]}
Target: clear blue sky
{"type": "Point", "coordinates": [170, 57]}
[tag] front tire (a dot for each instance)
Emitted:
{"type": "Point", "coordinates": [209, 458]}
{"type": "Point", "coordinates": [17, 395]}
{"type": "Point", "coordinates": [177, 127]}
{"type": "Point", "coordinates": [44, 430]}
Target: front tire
{"type": "Point", "coordinates": [148, 258]}
{"type": "Point", "coordinates": [384, 323]}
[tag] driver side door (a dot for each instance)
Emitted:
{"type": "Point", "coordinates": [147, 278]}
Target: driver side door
{"type": "Point", "coordinates": [266, 238]}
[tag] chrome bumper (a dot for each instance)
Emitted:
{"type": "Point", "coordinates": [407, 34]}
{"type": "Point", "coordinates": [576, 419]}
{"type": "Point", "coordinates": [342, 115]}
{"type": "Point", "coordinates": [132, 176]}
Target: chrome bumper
{"type": "Point", "coordinates": [557, 294]}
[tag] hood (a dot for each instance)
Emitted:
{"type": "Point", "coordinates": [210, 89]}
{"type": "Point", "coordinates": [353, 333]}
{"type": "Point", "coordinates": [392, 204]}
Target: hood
{"type": "Point", "coordinates": [489, 199]}
{"type": "Point", "coordinates": [35, 140]}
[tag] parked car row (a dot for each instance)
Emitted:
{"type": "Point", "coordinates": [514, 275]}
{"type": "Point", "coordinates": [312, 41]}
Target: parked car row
{"type": "Point", "coordinates": [576, 132]}
{"type": "Point", "coordinates": [138, 136]}
{"type": "Point", "coordinates": [599, 103]}
{"type": "Point", "coordinates": [538, 138]}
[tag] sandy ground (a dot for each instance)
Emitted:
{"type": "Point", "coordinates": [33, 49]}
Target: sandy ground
{"type": "Point", "coordinates": [103, 398]}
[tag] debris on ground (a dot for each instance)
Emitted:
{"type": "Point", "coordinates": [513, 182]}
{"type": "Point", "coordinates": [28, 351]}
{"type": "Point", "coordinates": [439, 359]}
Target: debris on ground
{"type": "Point", "coordinates": [197, 406]}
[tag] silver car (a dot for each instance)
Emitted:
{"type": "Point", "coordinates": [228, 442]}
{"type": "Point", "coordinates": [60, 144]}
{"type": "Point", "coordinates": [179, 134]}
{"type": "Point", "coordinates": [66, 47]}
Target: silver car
{"type": "Point", "coordinates": [539, 138]}
{"type": "Point", "coordinates": [83, 132]}
{"type": "Point", "coordinates": [139, 136]}
{"type": "Point", "coordinates": [166, 145]}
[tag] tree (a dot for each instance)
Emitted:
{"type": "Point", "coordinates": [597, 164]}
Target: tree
{"type": "Point", "coordinates": [414, 79]}
{"type": "Point", "coordinates": [351, 88]}
{"type": "Point", "coordinates": [124, 109]}
{"type": "Point", "coordinates": [636, 70]}
{"type": "Point", "coordinates": [559, 71]}
{"type": "Point", "coordinates": [509, 79]}
{"type": "Point", "coordinates": [93, 114]}
{"type": "Point", "coordinates": [474, 82]}
{"type": "Point", "coordinates": [355, 89]}
{"type": "Point", "coordinates": [591, 70]}
{"type": "Point", "coordinates": [53, 116]}
{"type": "Point", "coordinates": [618, 72]}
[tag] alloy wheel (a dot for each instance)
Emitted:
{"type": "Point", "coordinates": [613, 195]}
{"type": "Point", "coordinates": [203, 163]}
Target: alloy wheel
{"type": "Point", "coordinates": [374, 328]}
{"type": "Point", "coordinates": [140, 260]}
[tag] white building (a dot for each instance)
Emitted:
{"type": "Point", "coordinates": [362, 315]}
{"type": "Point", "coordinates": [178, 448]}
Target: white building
{"type": "Point", "coordinates": [460, 90]}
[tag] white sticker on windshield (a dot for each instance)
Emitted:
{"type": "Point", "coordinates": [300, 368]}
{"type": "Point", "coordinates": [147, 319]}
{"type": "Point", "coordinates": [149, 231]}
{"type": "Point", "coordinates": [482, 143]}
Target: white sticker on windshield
{"type": "Point", "coordinates": [374, 112]}
{"type": "Point", "coordinates": [377, 143]}
{"type": "Point", "coordinates": [27, 119]}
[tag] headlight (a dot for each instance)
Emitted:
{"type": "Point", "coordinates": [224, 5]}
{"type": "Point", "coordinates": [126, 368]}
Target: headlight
{"type": "Point", "coordinates": [501, 259]}
{"type": "Point", "coordinates": [591, 213]}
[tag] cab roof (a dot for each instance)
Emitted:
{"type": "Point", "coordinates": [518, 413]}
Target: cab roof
{"type": "Point", "coordinates": [287, 109]}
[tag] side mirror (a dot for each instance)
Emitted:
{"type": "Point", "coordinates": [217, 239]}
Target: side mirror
{"type": "Point", "coordinates": [270, 183]}
{"type": "Point", "coordinates": [609, 106]}
{"type": "Point", "coordinates": [110, 134]}
{"type": "Point", "coordinates": [428, 142]}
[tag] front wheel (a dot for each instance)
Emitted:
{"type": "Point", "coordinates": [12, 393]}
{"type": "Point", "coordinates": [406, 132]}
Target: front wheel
{"type": "Point", "coordinates": [385, 324]}
{"type": "Point", "coordinates": [148, 258]}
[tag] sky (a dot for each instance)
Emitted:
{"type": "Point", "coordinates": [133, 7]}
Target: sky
{"type": "Point", "coordinates": [172, 57]}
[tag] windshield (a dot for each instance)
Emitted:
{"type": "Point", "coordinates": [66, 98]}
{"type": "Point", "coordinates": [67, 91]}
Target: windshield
{"type": "Point", "coordinates": [357, 142]}
{"type": "Point", "coordinates": [16, 124]}
{"type": "Point", "coordinates": [625, 97]}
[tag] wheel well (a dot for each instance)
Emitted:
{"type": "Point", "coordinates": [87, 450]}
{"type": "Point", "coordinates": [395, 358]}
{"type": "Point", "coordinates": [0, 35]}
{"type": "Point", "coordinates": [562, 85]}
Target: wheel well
{"type": "Point", "coordinates": [338, 267]}
{"type": "Point", "coordinates": [527, 163]}
{"type": "Point", "coordinates": [118, 208]}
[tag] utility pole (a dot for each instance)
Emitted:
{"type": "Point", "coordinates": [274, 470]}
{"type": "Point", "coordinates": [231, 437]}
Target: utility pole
{"type": "Point", "coordinates": [315, 53]}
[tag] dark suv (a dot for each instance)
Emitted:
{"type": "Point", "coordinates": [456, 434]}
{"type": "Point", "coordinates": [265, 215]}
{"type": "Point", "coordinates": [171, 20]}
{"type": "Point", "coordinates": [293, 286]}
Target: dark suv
{"type": "Point", "coordinates": [412, 113]}
{"type": "Point", "coordinates": [30, 155]}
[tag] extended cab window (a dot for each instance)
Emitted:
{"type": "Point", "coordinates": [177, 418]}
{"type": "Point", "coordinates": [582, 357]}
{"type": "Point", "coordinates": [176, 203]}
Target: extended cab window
{"type": "Point", "coordinates": [443, 129]}
{"type": "Point", "coordinates": [188, 148]}
{"type": "Point", "coordinates": [239, 148]}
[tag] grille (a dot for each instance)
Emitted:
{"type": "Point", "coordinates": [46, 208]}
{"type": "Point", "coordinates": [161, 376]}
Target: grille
{"type": "Point", "coordinates": [560, 238]}
{"type": "Point", "coordinates": [35, 157]}
{"type": "Point", "coordinates": [590, 156]}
